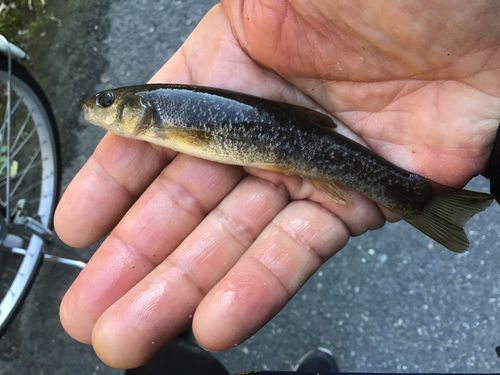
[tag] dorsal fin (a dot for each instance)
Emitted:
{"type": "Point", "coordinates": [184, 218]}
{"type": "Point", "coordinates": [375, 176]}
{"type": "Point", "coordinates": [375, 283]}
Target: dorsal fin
{"type": "Point", "coordinates": [316, 116]}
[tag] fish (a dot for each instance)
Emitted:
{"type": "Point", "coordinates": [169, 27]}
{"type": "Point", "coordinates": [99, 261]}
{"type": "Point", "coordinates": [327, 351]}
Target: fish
{"type": "Point", "coordinates": [236, 128]}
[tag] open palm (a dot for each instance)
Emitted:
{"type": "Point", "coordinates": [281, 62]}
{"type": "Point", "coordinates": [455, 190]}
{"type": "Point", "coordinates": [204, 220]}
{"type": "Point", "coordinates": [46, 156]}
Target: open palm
{"type": "Point", "coordinates": [227, 247]}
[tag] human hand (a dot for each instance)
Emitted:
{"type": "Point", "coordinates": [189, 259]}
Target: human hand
{"type": "Point", "coordinates": [227, 247]}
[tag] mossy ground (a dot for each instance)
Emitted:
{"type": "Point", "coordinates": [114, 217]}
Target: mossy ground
{"type": "Point", "coordinates": [21, 20]}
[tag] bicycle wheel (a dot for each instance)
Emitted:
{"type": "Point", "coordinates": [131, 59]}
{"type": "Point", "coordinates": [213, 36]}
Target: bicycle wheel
{"type": "Point", "coordinates": [34, 178]}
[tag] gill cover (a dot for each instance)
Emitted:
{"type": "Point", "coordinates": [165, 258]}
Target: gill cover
{"type": "Point", "coordinates": [145, 115]}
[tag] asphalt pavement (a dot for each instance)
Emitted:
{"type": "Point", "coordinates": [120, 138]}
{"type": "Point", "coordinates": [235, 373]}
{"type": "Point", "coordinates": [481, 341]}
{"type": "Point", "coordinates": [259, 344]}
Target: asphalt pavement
{"type": "Point", "coordinates": [392, 300]}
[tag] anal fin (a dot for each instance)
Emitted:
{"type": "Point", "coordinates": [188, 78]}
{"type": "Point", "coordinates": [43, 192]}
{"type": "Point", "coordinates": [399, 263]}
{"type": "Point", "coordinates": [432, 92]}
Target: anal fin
{"type": "Point", "coordinates": [332, 191]}
{"type": "Point", "coordinates": [283, 169]}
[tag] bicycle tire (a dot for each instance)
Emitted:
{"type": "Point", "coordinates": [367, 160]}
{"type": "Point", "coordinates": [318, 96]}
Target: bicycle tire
{"type": "Point", "coordinates": [30, 94]}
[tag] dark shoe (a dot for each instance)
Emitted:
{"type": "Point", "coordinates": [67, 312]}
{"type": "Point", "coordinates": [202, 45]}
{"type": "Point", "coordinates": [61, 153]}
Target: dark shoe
{"type": "Point", "coordinates": [319, 361]}
{"type": "Point", "coordinates": [181, 356]}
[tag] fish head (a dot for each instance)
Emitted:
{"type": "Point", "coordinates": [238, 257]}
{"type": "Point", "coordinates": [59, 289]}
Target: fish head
{"type": "Point", "coordinates": [120, 111]}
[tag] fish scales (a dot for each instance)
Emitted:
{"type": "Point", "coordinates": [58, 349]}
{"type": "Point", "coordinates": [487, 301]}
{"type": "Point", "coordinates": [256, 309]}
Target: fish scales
{"type": "Point", "coordinates": [244, 134]}
{"type": "Point", "coordinates": [236, 128]}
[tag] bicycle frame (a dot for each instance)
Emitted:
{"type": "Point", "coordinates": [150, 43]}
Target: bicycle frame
{"type": "Point", "coordinates": [12, 49]}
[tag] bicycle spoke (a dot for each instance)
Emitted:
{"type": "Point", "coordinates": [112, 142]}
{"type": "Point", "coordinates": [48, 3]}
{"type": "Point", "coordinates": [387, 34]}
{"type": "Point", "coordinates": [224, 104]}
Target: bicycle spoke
{"type": "Point", "coordinates": [13, 154]}
{"type": "Point", "coordinates": [34, 200]}
{"type": "Point", "coordinates": [35, 165]}
{"type": "Point", "coordinates": [13, 110]}
{"type": "Point", "coordinates": [28, 188]}
{"type": "Point", "coordinates": [25, 140]}
{"type": "Point", "coordinates": [20, 180]}
{"type": "Point", "coordinates": [4, 124]}
{"type": "Point", "coordinates": [16, 151]}
{"type": "Point", "coordinates": [21, 130]}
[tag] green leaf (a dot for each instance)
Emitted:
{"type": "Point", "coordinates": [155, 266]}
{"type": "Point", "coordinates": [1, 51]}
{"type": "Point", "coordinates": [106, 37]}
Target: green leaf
{"type": "Point", "coordinates": [14, 166]}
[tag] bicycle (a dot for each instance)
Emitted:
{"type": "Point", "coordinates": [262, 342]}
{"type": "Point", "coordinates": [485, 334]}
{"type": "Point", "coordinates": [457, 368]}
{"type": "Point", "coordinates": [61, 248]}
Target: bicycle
{"type": "Point", "coordinates": [29, 181]}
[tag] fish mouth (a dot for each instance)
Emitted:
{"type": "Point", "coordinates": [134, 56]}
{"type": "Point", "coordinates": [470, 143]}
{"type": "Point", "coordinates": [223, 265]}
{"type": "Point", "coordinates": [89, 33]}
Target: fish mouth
{"type": "Point", "coordinates": [85, 113]}
{"type": "Point", "coordinates": [87, 106]}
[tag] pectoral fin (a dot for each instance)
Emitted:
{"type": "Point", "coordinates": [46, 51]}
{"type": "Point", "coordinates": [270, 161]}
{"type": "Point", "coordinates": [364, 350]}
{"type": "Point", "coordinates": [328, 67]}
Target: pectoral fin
{"type": "Point", "coordinates": [146, 116]}
{"type": "Point", "coordinates": [332, 191]}
{"type": "Point", "coordinates": [188, 136]}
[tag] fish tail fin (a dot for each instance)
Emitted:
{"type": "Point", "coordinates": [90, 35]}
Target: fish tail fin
{"type": "Point", "coordinates": [444, 216]}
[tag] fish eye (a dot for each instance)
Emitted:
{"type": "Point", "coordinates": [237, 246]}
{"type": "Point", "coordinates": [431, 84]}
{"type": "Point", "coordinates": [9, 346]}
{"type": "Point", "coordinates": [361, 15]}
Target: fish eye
{"type": "Point", "coordinates": [105, 99]}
